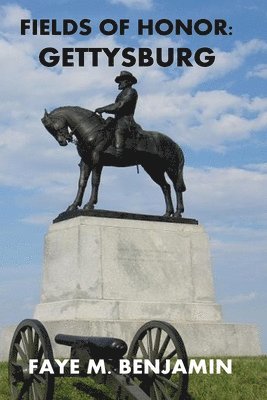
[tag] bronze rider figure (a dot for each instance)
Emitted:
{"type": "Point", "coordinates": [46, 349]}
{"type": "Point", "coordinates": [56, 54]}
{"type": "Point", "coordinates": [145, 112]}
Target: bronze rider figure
{"type": "Point", "coordinates": [123, 109]}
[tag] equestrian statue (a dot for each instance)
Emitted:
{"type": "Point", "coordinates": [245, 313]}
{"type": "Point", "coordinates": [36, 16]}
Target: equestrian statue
{"type": "Point", "coordinates": [118, 142]}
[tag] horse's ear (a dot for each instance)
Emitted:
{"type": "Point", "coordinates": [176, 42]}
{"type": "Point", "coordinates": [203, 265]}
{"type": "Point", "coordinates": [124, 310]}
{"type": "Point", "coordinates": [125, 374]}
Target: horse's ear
{"type": "Point", "coordinates": [45, 117]}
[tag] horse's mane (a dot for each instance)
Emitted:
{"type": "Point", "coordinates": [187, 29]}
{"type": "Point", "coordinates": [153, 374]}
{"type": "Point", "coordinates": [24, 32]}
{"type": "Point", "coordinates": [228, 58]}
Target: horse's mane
{"type": "Point", "coordinates": [82, 111]}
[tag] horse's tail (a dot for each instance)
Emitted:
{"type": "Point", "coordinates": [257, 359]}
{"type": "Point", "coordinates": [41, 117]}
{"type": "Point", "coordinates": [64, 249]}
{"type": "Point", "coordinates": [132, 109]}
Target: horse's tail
{"type": "Point", "coordinates": [174, 156]}
{"type": "Point", "coordinates": [180, 166]}
{"type": "Point", "coordinates": [167, 153]}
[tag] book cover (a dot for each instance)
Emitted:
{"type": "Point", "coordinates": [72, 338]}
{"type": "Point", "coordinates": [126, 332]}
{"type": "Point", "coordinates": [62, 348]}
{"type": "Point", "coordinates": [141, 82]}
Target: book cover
{"type": "Point", "coordinates": [200, 71]}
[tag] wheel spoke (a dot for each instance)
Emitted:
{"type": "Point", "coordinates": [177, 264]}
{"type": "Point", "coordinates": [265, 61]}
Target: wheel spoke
{"type": "Point", "coordinates": [34, 392]}
{"type": "Point", "coordinates": [21, 353]}
{"type": "Point", "coordinates": [39, 378]}
{"type": "Point", "coordinates": [150, 345]}
{"type": "Point", "coordinates": [35, 344]}
{"type": "Point", "coordinates": [143, 350]}
{"type": "Point", "coordinates": [152, 393]}
{"type": "Point", "coordinates": [164, 347]}
{"type": "Point", "coordinates": [38, 390]}
{"type": "Point", "coordinates": [169, 356]}
{"type": "Point", "coordinates": [31, 393]}
{"type": "Point", "coordinates": [162, 390]}
{"type": "Point", "coordinates": [27, 395]}
{"type": "Point", "coordinates": [25, 343]}
{"type": "Point", "coordinates": [167, 381]}
{"type": "Point", "coordinates": [23, 391]}
{"type": "Point", "coordinates": [40, 354]}
{"type": "Point", "coordinates": [157, 342]}
{"type": "Point", "coordinates": [157, 392]}
{"type": "Point", "coordinates": [15, 388]}
{"type": "Point", "coordinates": [30, 341]}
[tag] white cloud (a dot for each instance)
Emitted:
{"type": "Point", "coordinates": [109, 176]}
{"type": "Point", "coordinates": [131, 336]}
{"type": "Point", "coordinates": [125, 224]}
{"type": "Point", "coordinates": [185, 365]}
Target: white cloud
{"type": "Point", "coordinates": [10, 16]}
{"type": "Point", "coordinates": [233, 232]}
{"type": "Point", "coordinates": [228, 194]}
{"type": "Point", "coordinates": [245, 248]}
{"type": "Point", "coordinates": [19, 289]}
{"type": "Point", "coordinates": [206, 119]}
{"type": "Point", "coordinates": [240, 298]}
{"type": "Point", "coordinates": [260, 71]}
{"type": "Point", "coordinates": [139, 4]}
{"type": "Point", "coordinates": [258, 167]}
{"type": "Point", "coordinates": [225, 62]}
{"type": "Point", "coordinates": [38, 219]}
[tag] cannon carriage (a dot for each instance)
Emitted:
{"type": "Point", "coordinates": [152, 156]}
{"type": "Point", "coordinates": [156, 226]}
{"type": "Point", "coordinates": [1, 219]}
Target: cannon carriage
{"type": "Point", "coordinates": [150, 360]}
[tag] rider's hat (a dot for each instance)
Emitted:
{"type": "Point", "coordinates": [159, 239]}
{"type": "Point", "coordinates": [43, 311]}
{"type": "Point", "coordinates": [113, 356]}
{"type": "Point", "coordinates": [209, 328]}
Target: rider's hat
{"type": "Point", "coordinates": [125, 75]}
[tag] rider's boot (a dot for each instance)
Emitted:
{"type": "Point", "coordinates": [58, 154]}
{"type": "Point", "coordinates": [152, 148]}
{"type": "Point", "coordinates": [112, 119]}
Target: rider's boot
{"type": "Point", "coordinates": [119, 152]}
{"type": "Point", "coordinates": [119, 143]}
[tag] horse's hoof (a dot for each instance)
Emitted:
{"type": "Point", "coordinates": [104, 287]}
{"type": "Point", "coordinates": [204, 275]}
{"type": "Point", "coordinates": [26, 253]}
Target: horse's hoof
{"type": "Point", "coordinates": [72, 207]}
{"type": "Point", "coordinates": [177, 215]}
{"type": "Point", "coordinates": [88, 207]}
{"type": "Point", "coordinates": [167, 215]}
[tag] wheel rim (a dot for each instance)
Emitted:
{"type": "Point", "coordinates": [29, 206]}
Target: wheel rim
{"type": "Point", "coordinates": [157, 340]}
{"type": "Point", "coordinates": [30, 341]}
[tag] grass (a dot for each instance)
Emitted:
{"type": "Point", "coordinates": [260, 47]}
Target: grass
{"type": "Point", "coordinates": [4, 389]}
{"type": "Point", "coordinates": [247, 382]}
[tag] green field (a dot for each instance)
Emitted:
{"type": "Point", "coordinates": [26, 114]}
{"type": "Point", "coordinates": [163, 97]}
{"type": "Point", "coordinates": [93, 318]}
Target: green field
{"type": "Point", "coordinates": [247, 382]}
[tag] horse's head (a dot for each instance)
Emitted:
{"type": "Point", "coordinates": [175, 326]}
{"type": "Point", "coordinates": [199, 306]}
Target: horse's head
{"type": "Point", "coordinates": [58, 127]}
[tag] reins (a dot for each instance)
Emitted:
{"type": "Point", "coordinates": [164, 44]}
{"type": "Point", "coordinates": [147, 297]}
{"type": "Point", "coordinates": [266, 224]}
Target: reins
{"type": "Point", "coordinates": [75, 141]}
{"type": "Point", "coordinates": [76, 127]}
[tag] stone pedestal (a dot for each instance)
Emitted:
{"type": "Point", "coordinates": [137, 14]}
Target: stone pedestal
{"type": "Point", "coordinates": [107, 276]}
{"type": "Point", "coordinates": [116, 269]}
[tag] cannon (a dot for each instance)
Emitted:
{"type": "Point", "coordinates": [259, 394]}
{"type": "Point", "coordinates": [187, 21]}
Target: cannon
{"type": "Point", "coordinates": [155, 346]}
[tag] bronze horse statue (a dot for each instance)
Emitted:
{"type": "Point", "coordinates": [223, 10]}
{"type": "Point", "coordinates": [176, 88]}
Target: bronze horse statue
{"type": "Point", "coordinates": [155, 152]}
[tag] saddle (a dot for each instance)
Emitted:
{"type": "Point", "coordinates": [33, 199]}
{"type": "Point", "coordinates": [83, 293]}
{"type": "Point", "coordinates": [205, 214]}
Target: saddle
{"type": "Point", "coordinates": [136, 138]}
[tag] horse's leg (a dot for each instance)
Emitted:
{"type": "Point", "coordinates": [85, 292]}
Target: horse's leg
{"type": "Point", "coordinates": [157, 174]}
{"type": "Point", "coordinates": [180, 203]}
{"type": "Point", "coordinates": [179, 187]}
{"type": "Point", "coordinates": [96, 175]}
{"type": "Point", "coordinates": [85, 171]}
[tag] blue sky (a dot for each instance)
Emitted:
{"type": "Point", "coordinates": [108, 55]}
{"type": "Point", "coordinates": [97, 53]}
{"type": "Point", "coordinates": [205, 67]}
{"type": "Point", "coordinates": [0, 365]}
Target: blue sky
{"type": "Point", "coordinates": [218, 115]}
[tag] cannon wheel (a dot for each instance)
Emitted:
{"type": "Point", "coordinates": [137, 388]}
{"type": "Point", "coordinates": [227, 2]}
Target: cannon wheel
{"type": "Point", "coordinates": [157, 340]}
{"type": "Point", "coordinates": [30, 341]}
